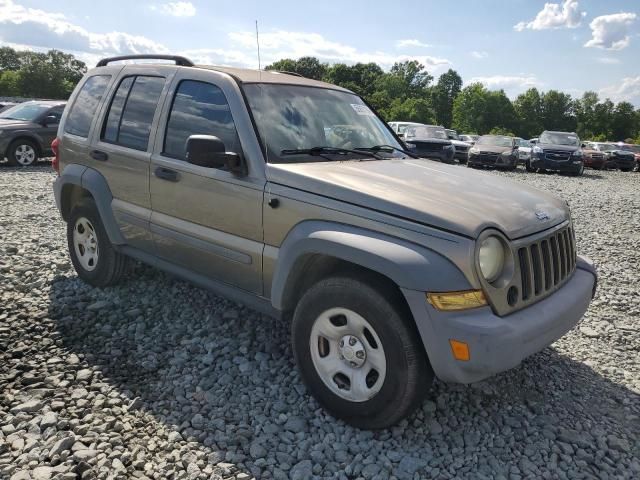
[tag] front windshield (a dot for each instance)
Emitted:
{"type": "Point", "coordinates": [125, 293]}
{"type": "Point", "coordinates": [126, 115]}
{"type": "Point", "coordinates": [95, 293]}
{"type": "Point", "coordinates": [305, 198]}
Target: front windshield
{"type": "Point", "coordinates": [495, 140]}
{"type": "Point", "coordinates": [426, 132]}
{"type": "Point", "coordinates": [524, 143]}
{"type": "Point", "coordinates": [27, 112]}
{"type": "Point", "coordinates": [452, 135]}
{"type": "Point", "coordinates": [609, 146]}
{"type": "Point", "coordinates": [291, 117]}
{"type": "Point", "coordinates": [569, 139]}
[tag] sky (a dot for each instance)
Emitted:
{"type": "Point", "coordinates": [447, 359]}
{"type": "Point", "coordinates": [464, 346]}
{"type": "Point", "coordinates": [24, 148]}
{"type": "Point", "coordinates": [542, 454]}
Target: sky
{"type": "Point", "coordinates": [569, 45]}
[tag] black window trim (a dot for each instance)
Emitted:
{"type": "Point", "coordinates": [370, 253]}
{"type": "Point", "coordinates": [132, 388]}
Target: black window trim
{"type": "Point", "coordinates": [124, 106]}
{"type": "Point", "coordinates": [75, 100]}
{"type": "Point", "coordinates": [163, 153]}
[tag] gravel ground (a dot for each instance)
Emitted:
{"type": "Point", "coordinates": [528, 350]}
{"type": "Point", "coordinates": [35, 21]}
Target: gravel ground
{"type": "Point", "coordinates": [158, 379]}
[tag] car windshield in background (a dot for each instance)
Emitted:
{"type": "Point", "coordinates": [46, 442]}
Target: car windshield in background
{"type": "Point", "coordinates": [25, 112]}
{"type": "Point", "coordinates": [452, 135]}
{"type": "Point", "coordinates": [426, 132]}
{"type": "Point", "coordinates": [495, 140]}
{"type": "Point", "coordinates": [610, 146]}
{"type": "Point", "coordinates": [560, 139]}
{"type": "Point", "coordinates": [525, 143]}
{"type": "Point", "coordinates": [315, 121]}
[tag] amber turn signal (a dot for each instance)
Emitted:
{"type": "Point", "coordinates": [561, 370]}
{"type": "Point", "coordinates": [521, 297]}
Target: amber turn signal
{"type": "Point", "coordinates": [449, 301]}
{"type": "Point", "coordinates": [460, 350]}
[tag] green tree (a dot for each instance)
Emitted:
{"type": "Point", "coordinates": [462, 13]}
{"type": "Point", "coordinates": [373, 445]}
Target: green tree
{"type": "Point", "coordinates": [585, 108]}
{"type": "Point", "coordinates": [410, 110]}
{"type": "Point", "coordinates": [444, 93]}
{"type": "Point", "coordinates": [9, 83]}
{"type": "Point", "coordinates": [528, 109]}
{"type": "Point", "coordinates": [499, 112]}
{"type": "Point", "coordinates": [601, 122]}
{"type": "Point", "coordinates": [558, 111]}
{"type": "Point", "coordinates": [309, 67]}
{"type": "Point", "coordinates": [501, 131]}
{"type": "Point", "coordinates": [624, 121]}
{"type": "Point", "coordinates": [416, 78]}
{"type": "Point", "coordinates": [469, 109]}
{"type": "Point", "coordinates": [361, 78]}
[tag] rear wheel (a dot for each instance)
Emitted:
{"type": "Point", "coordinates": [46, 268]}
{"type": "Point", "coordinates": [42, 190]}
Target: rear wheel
{"type": "Point", "coordinates": [22, 153]}
{"type": "Point", "coordinates": [92, 254]}
{"type": "Point", "coordinates": [359, 353]}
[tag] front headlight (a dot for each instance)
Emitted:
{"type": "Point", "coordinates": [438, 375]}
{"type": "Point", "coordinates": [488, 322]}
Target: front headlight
{"type": "Point", "coordinates": [537, 149]}
{"type": "Point", "coordinates": [474, 150]}
{"type": "Point", "coordinates": [577, 153]}
{"type": "Point", "coordinates": [491, 258]}
{"type": "Point", "coordinates": [507, 153]}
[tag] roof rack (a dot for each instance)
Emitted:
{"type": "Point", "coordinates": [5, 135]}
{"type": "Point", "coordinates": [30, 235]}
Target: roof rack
{"type": "Point", "coordinates": [181, 61]}
{"type": "Point", "coordinates": [289, 73]}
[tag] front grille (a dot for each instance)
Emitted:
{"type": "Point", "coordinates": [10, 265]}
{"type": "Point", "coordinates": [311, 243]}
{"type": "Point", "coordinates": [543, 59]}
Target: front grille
{"type": "Point", "coordinates": [546, 264]}
{"type": "Point", "coordinates": [557, 155]}
{"type": "Point", "coordinates": [597, 156]}
{"type": "Point", "coordinates": [429, 147]}
{"type": "Point", "coordinates": [461, 149]}
{"type": "Point", "coordinates": [488, 157]}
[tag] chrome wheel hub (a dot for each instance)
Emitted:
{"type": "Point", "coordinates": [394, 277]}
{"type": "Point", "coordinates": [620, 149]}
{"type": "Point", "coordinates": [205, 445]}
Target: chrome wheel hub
{"type": "Point", "coordinates": [25, 154]}
{"type": "Point", "coordinates": [85, 244]}
{"type": "Point", "coordinates": [352, 351]}
{"type": "Point", "coordinates": [347, 354]}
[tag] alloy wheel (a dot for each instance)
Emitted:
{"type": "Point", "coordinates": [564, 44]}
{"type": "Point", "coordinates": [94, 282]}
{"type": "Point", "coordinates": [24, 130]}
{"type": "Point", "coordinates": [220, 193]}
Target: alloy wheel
{"type": "Point", "coordinates": [85, 244]}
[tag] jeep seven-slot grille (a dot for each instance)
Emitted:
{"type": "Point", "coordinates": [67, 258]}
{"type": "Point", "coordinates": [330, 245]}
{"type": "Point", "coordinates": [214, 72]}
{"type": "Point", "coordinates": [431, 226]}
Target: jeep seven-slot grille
{"type": "Point", "coordinates": [546, 264]}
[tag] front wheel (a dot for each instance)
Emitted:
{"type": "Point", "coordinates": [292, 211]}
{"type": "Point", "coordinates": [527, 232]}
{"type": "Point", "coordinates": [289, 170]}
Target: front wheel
{"type": "Point", "coordinates": [528, 167]}
{"type": "Point", "coordinates": [22, 153]}
{"type": "Point", "coordinates": [359, 352]}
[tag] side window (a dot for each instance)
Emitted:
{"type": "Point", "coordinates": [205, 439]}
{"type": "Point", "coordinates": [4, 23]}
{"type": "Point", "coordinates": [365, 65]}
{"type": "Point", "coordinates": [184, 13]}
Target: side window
{"type": "Point", "coordinates": [86, 103]}
{"type": "Point", "coordinates": [131, 112]}
{"type": "Point", "coordinates": [55, 112]}
{"type": "Point", "coordinates": [199, 108]}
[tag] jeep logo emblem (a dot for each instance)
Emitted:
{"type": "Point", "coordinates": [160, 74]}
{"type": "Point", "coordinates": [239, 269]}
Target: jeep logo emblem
{"type": "Point", "coordinates": [542, 215]}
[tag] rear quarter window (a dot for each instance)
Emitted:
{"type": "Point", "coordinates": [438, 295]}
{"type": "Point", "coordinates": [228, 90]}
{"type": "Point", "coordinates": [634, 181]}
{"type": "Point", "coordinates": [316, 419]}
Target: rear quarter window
{"type": "Point", "coordinates": [85, 105]}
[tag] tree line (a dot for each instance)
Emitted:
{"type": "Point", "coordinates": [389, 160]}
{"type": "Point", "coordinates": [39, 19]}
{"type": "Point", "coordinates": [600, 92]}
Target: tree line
{"type": "Point", "coordinates": [406, 92]}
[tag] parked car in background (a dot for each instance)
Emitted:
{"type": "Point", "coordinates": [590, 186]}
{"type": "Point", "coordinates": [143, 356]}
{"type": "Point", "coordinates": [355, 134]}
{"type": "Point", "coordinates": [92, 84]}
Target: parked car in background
{"type": "Point", "coordinates": [462, 148]}
{"type": "Point", "coordinates": [6, 105]}
{"type": "Point", "coordinates": [429, 141]}
{"type": "Point", "coordinates": [557, 151]}
{"type": "Point", "coordinates": [401, 127]}
{"type": "Point", "coordinates": [27, 129]}
{"type": "Point", "coordinates": [471, 139]}
{"type": "Point", "coordinates": [616, 156]}
{"type": "Point", "coordinates": [592, 157]}
{"type": "Point", "coordinates": [524, 151]}
{"type": "Point", "coordinates": [635, 149]}
{"type": "Point", "coordinates": [494, 151]}
{"type": "Point", "coordinates": [388, 272]}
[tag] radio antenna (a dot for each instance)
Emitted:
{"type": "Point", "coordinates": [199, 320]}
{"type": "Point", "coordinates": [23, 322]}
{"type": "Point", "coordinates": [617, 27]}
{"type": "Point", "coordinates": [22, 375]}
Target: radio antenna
{"type": "Point", "coordinates": [258, 43]}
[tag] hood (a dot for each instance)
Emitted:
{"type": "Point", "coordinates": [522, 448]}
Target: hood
{"type": "Point", "coordinates": [9, 123]}
{"type": "Point", "coordinates": [447, 197]}
{"type": "Point", "coordinates": [560, 148]}
{"type": "Point", "coordinates": [460, 143]}
{"type": "Point", "coordinates": [493, 148]}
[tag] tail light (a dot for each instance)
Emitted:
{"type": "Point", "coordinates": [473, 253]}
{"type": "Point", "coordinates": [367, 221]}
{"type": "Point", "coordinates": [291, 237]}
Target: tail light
{"type": "Point", "coordinates": [55, 164]}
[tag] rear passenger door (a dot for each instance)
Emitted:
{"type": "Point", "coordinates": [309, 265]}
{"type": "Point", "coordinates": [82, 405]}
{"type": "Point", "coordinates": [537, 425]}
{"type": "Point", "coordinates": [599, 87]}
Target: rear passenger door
{"type": "Point", "coordinates": [208, 220]}
{"type": "Point", "coordinates": [121, 148]}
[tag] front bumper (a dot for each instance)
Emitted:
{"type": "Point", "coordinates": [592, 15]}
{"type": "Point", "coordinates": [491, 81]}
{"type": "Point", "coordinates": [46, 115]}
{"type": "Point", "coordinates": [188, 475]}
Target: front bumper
{"type": "Point", "coordinates": [558, 166]}
{"type": "Point", "coordinates": [499, 161]}
{"type": "Point", "coordinates": [445, 156]}
{"type": "Point", "coordinates": [498, 343]}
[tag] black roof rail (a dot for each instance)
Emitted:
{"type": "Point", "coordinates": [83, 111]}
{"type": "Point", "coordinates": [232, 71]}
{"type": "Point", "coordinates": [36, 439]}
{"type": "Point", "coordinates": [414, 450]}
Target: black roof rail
{"type": "Point", "coordinates": [181, 61]}
{"type": "Point", "coordinates": [289, 73]}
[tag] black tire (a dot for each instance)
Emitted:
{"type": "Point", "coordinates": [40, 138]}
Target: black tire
{"type": "Point", "coordinates": [462, 161]}
{"type": "Point", "coordinates": [111, 265]}
{"type": "Point", "coordinates": [470, 165]}
{"type": "Point", "coordinates": [626, 169]}
{"type": "Point", "coordinates": [14, 156]}
{"type": "Point", "coordinates": [403, 390]}
{"type": "Point", "coordinates": [528, 167]}
{"type": "Point", "coordinates": [579, 172]}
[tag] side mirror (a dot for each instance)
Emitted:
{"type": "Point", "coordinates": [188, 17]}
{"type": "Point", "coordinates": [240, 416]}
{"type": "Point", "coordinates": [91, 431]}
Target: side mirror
{"type": "Point", "coordinates": [533, 141]}
{"type": "Point", "coordinates": [583, 145]}
{"type": "Point", "coordinates": [50, 120]}
{"type": "Point", "coordinates": [209, 151]}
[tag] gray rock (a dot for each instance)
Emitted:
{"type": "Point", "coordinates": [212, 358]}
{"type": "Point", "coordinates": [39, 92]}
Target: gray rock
{"type": "Point", "coordinates": [61, 445]}
{"type": "Point", "coordinates": [29, 406]}
{"type": "Point", "coordinates": [301, 470]}
{"type": "Point", "coordinates": [99, 305]}
{"type": "Point", "coordinates": [84, 455]}
{"type": "Point", "coordinates": [295, 424]}
{"type": "Point", "coordinates": [49, 419]}
{"type": "Point", "coordinates": [619, 444]}
{"type": "Point", "coordinates": [84, 374]}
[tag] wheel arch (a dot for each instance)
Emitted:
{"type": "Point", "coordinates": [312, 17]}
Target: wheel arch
{"type": "Point", "coordinates": [316, 249]}
{"type": "Point", "coordinates": [77, 182]}
{"type": "Point", "coordinates": [25, 135]}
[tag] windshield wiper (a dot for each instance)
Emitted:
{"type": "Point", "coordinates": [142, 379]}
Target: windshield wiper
{"type": "Point", "coordinates": [386, 148]}
{"type": "Point", "coordinates": [319, 151]}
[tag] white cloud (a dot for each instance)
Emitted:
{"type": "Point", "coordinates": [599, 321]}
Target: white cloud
{"type": "Point", "coordinates": [285, 44]}
{"type": "Point", "coordinates": [37, 28]}
{"type": "Point", "coordinates": [608, 60]}
{"type": "Point", "coordinates": [411, 42]}
{"type": "Point", "coordinates": [512, 85]}
{"type": "Point", "coordinates": [626, 91]}
{"type": "Point", "coordinates": [176, 9]}
{"type": "Point", "coordinates": [555, 15]}
{"type": "Point", "coordinates": [479, 55]}
{"type": "Point", "coordinates": [611, 32]}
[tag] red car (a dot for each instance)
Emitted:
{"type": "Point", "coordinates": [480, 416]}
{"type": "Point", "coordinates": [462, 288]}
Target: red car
{"type": "Point", "coordinates": [592, 157]}
{"type": "Point", "coordinates": [636, 153]}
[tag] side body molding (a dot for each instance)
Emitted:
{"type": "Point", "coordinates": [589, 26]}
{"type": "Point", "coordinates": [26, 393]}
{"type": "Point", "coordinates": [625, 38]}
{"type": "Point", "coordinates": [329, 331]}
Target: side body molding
{"type": "Point", "coordinates": [409, 265]}
{"type": "Point", "coordinates": [92, 181]}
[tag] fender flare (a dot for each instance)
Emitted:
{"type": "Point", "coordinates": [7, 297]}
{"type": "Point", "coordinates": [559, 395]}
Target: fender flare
{"type": "Point", "coordinates": [92, 181]}
{"type": "Point", "coordinates": [408, 265]}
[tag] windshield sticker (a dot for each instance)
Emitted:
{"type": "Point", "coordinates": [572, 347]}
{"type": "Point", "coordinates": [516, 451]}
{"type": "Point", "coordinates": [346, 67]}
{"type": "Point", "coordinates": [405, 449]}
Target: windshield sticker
{"type": "Point", "coordinates": [362, 109]}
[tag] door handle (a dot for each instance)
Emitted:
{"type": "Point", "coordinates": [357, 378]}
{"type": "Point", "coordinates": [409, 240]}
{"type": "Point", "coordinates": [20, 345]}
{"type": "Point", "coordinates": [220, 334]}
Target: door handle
{"type": "Point", "coordinates": [98, 155]}
{"type": "Point", "coordinates": [166, 174]}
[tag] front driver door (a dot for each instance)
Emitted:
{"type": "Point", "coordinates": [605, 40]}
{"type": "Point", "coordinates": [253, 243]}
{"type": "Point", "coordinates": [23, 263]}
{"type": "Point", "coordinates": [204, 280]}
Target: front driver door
{"type": "Point", "coordinates": [205, 219]}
